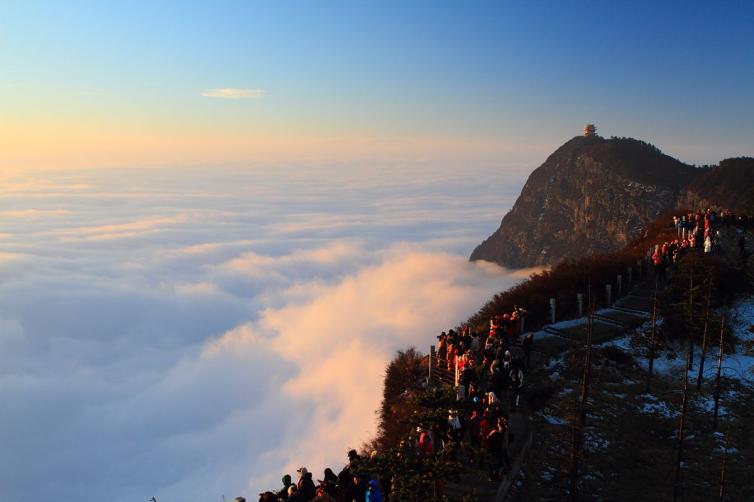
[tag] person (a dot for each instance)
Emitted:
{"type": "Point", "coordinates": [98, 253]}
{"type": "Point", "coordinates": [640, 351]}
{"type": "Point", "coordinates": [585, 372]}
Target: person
{"type": "Point", "coordinates": [516, 383]}
{"type": "Point", "coordinates": [425, 442]}
{"type": "Point", "coordinates": [305, 484]}
{"type": "Point", "coordinates": [455, 429]}
{"type": "Point", "coordinates": [473, 427]}
{"type": "Point", "coordinates": [323, 495]}
{"type": "Point", "coordinates": [344, 483]}
{"type": "Point", "coordinates": [507, 357]}
{"type": "Point", "coordinates": [330, 482]}
{"type": "Point", "coordinates": [662, 269]}
{"type": "Point", "coordinates": [294, 495]}
{"type": "Point", "coordinates": [282, 494]}
{"type": "Point", "coordinates": [498, 449]}
{"type": "Point", "coordinates": [373, 493]}
{"type": "Point", "coordinates": [742, 245]}
{"type": "Point", "coordinates": [359, 490]}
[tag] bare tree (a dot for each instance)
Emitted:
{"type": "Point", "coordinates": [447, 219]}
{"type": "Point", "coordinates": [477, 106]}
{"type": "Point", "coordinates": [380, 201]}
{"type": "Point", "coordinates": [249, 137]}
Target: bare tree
{"type": "Point", "coordinates": [652, 341]}
{"type": "Point", "coordinates": [580, 419]}
{"type": "Point", "coordinates": [703, 355]}
{"type": "Point", "coordinates": [724, 466]}
{"type": "Point", "coordinates": [691, 313]}
{"type": "Point", "coordinates": [719, 370]}
{"type": "Point", "coordinates": [682, 426]}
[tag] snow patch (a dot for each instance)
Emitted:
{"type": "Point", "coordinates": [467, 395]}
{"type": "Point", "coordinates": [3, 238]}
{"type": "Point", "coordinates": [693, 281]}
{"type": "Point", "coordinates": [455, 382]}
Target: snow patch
{"type": "Point", "coordinates": [552, 420]}
{"type": "Point", "coordinates": [658, 408]}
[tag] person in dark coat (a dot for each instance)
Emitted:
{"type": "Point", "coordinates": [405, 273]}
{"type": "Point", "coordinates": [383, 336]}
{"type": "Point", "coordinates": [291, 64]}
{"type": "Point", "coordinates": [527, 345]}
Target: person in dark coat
{"type": "Point", "coordinates": [295, 496]}
{"type": "Point", "coordinates": [344, 482]}
{"type": "Point", "coordinates": [497, 446]}
{"type": "Point", "coordinates": [330, 482]}
{"type": "Point", "coordinates": [282, 494]}
{"type": "Point", "coordinates": [305, 484]}
{"type": "Point", "coordinates": [358, 489]}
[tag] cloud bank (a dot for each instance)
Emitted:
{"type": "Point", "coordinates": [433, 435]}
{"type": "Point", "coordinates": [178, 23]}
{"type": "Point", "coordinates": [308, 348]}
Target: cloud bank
{"type": "Point", "coordinates": [234, 93]}
{"type": "Point", "coordinates": [190, 335]}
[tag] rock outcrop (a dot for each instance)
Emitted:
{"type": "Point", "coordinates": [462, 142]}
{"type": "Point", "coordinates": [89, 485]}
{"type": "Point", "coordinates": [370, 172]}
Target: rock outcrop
{"type": "Point", "coordinates": [592, 195]}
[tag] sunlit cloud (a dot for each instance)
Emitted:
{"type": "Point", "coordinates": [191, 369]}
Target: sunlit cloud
{"type": "Point", "coordinates": [35, 213]}
{"type": "Point", "coordinates": [234, 93]}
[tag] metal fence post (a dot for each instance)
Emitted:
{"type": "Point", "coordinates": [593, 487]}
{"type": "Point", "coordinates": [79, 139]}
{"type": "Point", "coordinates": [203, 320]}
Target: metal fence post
{"type": "Point", "coordinates": [552, 310]}
{"type": "Point", "coordinates": [620, 285]}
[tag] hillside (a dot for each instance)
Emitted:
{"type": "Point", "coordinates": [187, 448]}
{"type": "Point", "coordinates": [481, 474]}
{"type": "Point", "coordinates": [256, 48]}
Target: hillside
{"type": "Point", "coordinates": [625, 445]}
{"type": "Point", "coordinates": [592, 195]}
{"type": "Point", "coordinates": [730, 184]}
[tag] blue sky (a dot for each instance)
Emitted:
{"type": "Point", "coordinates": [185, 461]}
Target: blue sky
{"type": "Point", "coordinates": [505, 82]}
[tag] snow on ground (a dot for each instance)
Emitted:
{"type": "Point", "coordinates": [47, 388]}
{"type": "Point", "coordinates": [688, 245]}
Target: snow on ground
{"type": "Point", "coordinates": [594, 441]}
{"type": "Point", "coordinates": [554, 420]}
{"type": "Point", "coordinates": [707, 404]}
{"type": "Point", "coordinates": [657, 407]}
{"type": "Point", "coordinates": [548, 474]}
{"type": "Point", "coordinates": [623, 343]}
{"type": "Point", "coordinates": [741, 364]}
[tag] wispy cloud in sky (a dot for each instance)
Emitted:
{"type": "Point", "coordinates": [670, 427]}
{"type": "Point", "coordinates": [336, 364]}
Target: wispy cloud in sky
{"type": "Point", "coordinates": [234, 93]}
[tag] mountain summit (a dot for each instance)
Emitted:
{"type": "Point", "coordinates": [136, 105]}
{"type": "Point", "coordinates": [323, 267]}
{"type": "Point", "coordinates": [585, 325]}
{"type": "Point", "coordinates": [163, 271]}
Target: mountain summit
{"type": "Point", "coordinates": [592, 195]}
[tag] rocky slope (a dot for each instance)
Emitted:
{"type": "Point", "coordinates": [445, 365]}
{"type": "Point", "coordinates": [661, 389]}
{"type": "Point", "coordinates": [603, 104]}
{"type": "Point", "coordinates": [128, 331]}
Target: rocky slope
{"type": "Point", "coordinates": [591, 195]}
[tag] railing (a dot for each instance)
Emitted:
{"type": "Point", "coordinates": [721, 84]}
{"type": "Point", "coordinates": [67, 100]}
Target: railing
{"type": "Point", "coordinates": [438, 369]}
{"type": "Point", "coordinates": [507, 483]}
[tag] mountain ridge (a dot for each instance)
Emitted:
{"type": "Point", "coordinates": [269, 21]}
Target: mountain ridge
{"type": "Point", "coordinates": [593, 195]}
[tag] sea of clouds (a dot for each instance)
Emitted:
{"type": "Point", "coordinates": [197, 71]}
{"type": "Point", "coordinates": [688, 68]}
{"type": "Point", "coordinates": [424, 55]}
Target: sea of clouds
{"type": "Point", "coordinates": [194, 333]}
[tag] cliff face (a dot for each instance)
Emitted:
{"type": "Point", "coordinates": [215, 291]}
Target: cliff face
{"type": "Point", "coordinates": [592, 195]}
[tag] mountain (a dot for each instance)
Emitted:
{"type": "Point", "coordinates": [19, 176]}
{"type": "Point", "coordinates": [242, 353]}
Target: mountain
{"type": "Point", "coordinates": [592, 195]}
{"type": "Point", "coordinates": [730, 184]}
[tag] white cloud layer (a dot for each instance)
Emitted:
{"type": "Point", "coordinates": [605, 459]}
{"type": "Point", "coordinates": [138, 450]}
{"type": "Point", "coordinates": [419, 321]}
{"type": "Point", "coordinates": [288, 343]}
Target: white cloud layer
{"type": "Point", "coordinates": [234, 93]}
{"type": "Point", "coordinates": [191, 334]}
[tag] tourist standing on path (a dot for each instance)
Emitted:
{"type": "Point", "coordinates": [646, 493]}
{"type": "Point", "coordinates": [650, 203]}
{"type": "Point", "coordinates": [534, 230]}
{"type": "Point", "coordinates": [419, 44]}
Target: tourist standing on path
{"type": "Point", "coordinates": [516, 383]}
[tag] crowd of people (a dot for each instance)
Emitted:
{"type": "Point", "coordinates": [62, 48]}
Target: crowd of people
{"type": "Point", "coordinates": [490, 367]}
{"type": "Point", "coordinates": [350, 485]}
{"type": "Point", "coordinates": [697, 230]}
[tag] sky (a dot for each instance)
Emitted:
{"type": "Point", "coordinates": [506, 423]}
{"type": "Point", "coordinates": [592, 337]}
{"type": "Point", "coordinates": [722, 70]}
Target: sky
{"type": "Point", "coordinates": [142, 83]}
{"type": "Point", "coordinates": [220, 220]}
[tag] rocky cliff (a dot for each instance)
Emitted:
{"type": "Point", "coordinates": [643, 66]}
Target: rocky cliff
{"type": "Point", "coordinates": [591, 195]}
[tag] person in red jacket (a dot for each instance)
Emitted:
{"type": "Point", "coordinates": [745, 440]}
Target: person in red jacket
{"type": "Point", "coordinates": [425, 443]}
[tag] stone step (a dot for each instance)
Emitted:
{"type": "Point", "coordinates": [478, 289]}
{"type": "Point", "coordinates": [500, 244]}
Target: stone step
{"type": "Point", "coordinates": [625, 319]}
